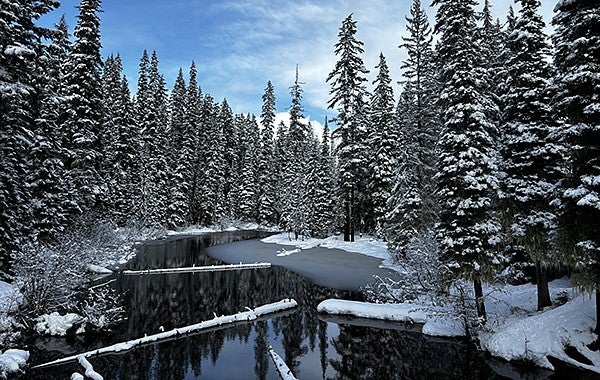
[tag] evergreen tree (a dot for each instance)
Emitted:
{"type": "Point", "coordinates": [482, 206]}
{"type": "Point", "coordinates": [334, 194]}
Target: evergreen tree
{"type": "Point", "coordinates": [191, 140]}
{"type": "Point", "coordinates": [180, 156]}
{"type": "Point", "coordinates": [467, 177]}
{"type": "Point", "coordinates": [20, 44]}
{"type": "Point", "coordinates": [382, 142]}
{"type": "Point", "coordinates": [347, 94]}
{"type": "Point", "coordinates": [577, 107]}
{"type": "Point", "coordinates": [266, 165]}
{"type": "Point", "coordinates": [412, 209]}
{"type": "Point", "coordinates": [227, 126]}
{"type": "Point", "coordinates": [51, 203]}
{"type": "Point", "coordinates": [531, 161]}
{"type": "Point", "coordinates": [325, 186]}
{"type": "Point", "coordinates": [82, 115]}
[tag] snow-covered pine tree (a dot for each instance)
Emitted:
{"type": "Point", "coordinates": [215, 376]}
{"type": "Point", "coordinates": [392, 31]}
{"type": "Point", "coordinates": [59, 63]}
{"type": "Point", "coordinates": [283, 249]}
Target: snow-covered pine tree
{"type": "Point", "coordinates": [227, 125]}
{"type": "Point", "coordinates": [280, 171]}
{"type": "Point", "coordinates": [347, 95]}
{"type": "Point", "coordinates": [467, 170]}
{"type": "Point", "coordinates": [191, 139]}
{"type": "Point", "coordinates": [211, 179]}
{"type": "Point", "coordinates": [51, 203]}
{"type": "Point", "coordinates": [325, 186]}
{"type": "Point", "coordinates": [179, 156]}
{"type": "Point", "coordinates": [412, 208]}
{"type": "Point", "coordinates": [20, 44]}
{"type": "Point", "coordinates": [151, 111]}
{"type": "Point", "coordinates": [82, 113]}
{"type": "Point", "coordinates": [266, 165]}
{"type": "Point", "coordinates": [577, 108]}
{"type": "Point", "coordinates": [382, 142]}
{"type": "Point", "coordinates": [531, 161]}
{"type": "Point", "coordinates": [248, 184]}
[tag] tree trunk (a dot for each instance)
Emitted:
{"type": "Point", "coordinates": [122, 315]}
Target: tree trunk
{"type": "Point", "coordinates": [479, 298]}
{"type": "Point", "coordinates": [597, 329]}
{"type": "Point", "coordinates": [543, 293]}
{"type": "Point", "coordinates": [352, 213]}
{"type": "Point", "coordinates": [347, 221]}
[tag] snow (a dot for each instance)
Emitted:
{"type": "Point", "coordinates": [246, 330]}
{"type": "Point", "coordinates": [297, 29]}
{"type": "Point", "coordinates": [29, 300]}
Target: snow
{"type": "Point", "coordinates": [10, 298]}
{"type": "Point", "coordinates": [57, 325]}
{"type": "Point", "coordinates": [12, 361]}
{"type": "Point", "coordinates": [284, 371]}
{"type": "Point", "coordinates": [546, 334]}
{"type": "Point", "coordinates": [77, 376]}
{"type": "Point", "coordinates": [89, 369]}
{"type": "Point", "coordinates": [210, 268]}
{"type": "Point", "coordinates": [249, 315]}
{"type": "Point", "coordinates": [364, 245]}
{"type": "Point", "coordinates": [98, 269]}
{"type": "Point", "coordinates": [436, 321]}
{"type": "Point", "coordinates": [192, 231]}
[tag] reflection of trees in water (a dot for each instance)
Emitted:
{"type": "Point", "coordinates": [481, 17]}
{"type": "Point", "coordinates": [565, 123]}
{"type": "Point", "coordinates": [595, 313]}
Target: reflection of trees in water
{"type": "Point", "coordinates": [178, 300]}
{"type": "Point", "coordinates": [395, 354]}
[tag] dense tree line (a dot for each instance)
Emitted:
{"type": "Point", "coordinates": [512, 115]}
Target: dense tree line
{"type": "Point", "coordinates": [490, 150]}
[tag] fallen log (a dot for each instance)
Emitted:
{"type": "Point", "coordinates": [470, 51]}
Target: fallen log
{"type": "Point", "coordinates": [249, 315]}
{"type": "Point", "coordinates": [282, 369]}
{"type": "Point", "coordinates": [210, 268]}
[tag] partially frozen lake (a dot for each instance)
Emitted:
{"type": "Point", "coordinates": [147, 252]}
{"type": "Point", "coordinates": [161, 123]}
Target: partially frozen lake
{"type": "Point", "coordinates": [313, 346]}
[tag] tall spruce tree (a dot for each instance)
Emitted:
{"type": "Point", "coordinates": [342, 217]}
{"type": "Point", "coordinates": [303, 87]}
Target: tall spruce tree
{"type": "Point", "coordinates": [325, 186]}
{"type": "Point", "coordinates": [577, 108]}
{"type": "Point", "coordinates": [348, 96]}
{"type": "Point", "coordinates": [82, 115]}
{"type": "Point", "coordinates": [467, 177]}
{"type": "Point", "coordinates": [266, 165]}
{"type": "Point", "coordinates": [382, 142]}
{"type": "Point", "coordinates": [531, 161]}
{"type": "Point", "coordinates": [412, 209]}
{"type": "Point", "coordinates": [20, 46]}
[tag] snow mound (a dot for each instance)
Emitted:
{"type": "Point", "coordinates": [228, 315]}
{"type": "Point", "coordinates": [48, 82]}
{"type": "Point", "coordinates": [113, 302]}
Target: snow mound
{"type": "Point", "coordinates": [364, 245]}
{"type": "Point", "coordinates": [12, 361]}
{"type": "Point", "coordinates": [547, 334]}
{"type": "Point", "coordinates": [436, 321]}
{"type": "Point", "coordinates": [57, 325]}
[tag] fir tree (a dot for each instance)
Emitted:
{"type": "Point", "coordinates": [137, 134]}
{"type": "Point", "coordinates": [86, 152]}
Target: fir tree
{"type": "Point", "coordinates": [266, 165]}
{"type": "Point", "coordinates": [347, 94]}
{"type": "Point", "coordinates": [82, 115]}
{"type": "Point", "coordinates": [467, 177]}
{"type": "Point", "coordinates": [325, 186]}
{"type": "Point", "coordinates": [531, 161]}
{"type": "Point", "coordinates": [382, 142]}
{"type": "Point", "coordinates": [577, 108]}
{"type": "Point", "coordinates": [412, 209]}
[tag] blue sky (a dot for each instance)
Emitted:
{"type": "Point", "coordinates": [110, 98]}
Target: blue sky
{"type": "Point", "coordinates": [239, 45]}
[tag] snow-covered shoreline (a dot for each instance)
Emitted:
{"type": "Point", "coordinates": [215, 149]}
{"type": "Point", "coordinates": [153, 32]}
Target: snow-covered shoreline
{"type": "Point", "coordinates": [515, 330]}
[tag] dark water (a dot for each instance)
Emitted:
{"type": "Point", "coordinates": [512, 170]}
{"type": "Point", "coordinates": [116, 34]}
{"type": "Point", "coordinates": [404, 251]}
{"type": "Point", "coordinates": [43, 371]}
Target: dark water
{"type": "Point", "coordinates": [313, 346]}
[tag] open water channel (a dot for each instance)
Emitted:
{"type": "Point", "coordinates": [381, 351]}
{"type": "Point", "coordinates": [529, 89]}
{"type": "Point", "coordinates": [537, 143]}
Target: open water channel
{"type": "Point", "coordinates": [313, 346]}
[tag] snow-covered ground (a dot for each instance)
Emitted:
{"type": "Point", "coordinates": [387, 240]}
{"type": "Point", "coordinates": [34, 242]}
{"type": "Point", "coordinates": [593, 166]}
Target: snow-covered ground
{"type": "Point", "coordinates": [239, 226]}
{"type": "Point", "coordinates": [515, 330]}
{"type": "Point", "coordinates": [364, 245]}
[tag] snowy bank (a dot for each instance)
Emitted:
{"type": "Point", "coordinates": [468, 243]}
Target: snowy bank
{"type": "Point", "coordinates": [364, 245]}
{"type": "Point", "coordinates": [12, 361]}
{"type": "Point", "coordinates": [58, 325]}
{"type": "Point", "coordinates": [250, 315]}
{"type": "Point", "coordinates": [192, 231]}
{"type": "Point", "coordinates": [436, 321]}
{"type": "Point", "coordinates": [548, 334]}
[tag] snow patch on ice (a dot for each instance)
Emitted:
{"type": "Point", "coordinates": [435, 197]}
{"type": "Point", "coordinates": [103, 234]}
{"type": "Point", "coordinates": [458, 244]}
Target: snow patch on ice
{"type": "Point", "coordinates": [364, 245]}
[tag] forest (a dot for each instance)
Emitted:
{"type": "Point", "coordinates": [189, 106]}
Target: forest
{"type": "Point", "coordinates": [486, 163]}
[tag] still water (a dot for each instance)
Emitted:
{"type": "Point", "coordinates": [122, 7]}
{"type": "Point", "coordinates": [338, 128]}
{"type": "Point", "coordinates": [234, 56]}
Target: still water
{"type": "Point", "coordinates": [313, 346]}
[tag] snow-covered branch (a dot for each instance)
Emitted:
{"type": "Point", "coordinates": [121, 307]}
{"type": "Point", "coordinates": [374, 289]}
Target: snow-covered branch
{"type": "Point", "coordinates": [210, 268]}
{"type": "Point", "coordinates": [249, 315]}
